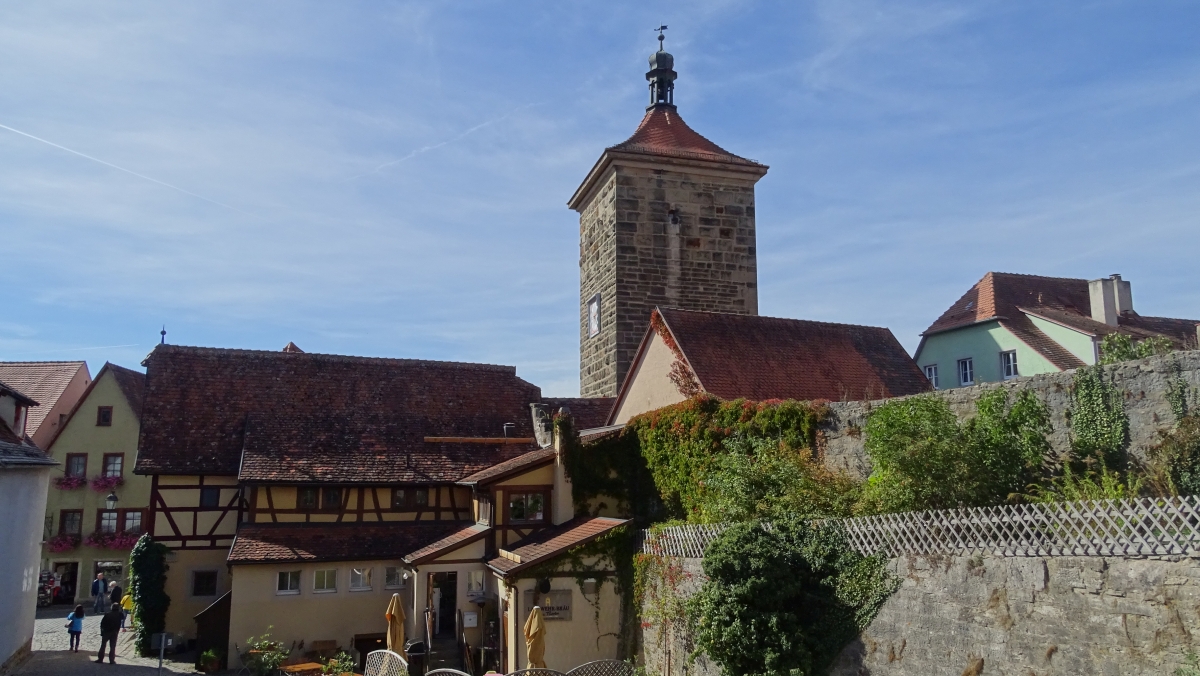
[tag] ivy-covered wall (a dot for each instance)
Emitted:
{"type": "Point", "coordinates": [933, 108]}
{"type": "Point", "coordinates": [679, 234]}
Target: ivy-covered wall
{"type": "Point", "coordinates": [1145, 384]}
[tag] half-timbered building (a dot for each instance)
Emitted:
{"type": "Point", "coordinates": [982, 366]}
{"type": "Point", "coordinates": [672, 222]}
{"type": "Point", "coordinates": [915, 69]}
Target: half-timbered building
{"type": "Point", "coordinates": [300, 491]}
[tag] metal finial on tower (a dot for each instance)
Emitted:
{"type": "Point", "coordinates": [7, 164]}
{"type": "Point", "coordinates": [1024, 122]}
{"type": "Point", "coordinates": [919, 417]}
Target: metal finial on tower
{"type": "Point", "coordinates": [163, 333]}
{"type": "Point", "coordinates": [662, 75]}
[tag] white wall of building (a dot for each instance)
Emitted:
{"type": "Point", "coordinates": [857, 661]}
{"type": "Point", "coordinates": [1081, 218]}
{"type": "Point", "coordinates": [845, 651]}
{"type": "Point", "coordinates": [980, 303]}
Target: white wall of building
{"type": "Point", "coordinates": [23, 505]}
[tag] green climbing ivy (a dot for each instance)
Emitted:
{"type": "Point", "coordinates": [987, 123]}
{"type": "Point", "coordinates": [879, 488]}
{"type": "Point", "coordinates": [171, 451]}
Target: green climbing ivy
{"type": "Point", "coordinates": [147, 583]}
{"type": "Point", "coordinates": [1099, 426]}
{"type": "Point", "coordinates": [1118, 347]}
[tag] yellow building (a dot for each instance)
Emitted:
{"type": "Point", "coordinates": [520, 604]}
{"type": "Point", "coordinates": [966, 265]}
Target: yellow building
{"type": "Point", "coordinates": [95, 446]}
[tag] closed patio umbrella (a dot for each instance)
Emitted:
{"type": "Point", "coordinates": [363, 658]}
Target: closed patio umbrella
{"type": "Point", "coordinates": [535, 639]}
{"type": "Point", "coordinates": [395, 631]}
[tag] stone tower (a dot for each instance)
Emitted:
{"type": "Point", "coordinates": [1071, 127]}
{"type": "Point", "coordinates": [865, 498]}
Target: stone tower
{"type": "Point", "coordinates": [665, 218]}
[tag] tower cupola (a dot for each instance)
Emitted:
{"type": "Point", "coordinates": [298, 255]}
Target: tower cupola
{"type": "Point", "coordinates": [661, 76]}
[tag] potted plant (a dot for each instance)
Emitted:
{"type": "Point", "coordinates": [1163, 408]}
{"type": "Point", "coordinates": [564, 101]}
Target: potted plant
{"type": "Point", "coordinates": [210, 661]}
{"type": "Point", "coordinates": [264, 655]}
{"type": "Point", "coordinates": [69, 483]}
{"type": "Point", "coordinates": [341, 664]}
{"type": "Point", "coordinates": [102, 484]}
{"type": "Point", "coordinates": [63, 542]}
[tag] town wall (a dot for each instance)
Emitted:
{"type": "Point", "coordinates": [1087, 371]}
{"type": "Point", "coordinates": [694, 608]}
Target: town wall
{"type": "Point", "coordinates": [1020, 615]}
{"type": "Point", "coordinates": [1144, 382]}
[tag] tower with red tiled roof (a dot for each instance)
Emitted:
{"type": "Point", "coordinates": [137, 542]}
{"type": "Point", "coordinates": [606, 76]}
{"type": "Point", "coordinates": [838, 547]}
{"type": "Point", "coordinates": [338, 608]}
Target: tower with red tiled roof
{"type": "Point", "coordinates": [665, 218]}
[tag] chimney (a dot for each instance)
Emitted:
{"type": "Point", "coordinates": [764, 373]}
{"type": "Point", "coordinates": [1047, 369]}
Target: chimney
{"type": "Point", "coordinates": [1124, 294]}
{"type": "Point", "coordinates": [1104, 301]}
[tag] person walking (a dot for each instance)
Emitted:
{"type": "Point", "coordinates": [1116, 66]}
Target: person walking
{"type": "Point", "coordinates": [75, 627]}
{"type": "Point", "coordinates": [114, 592]}
{"type": "Point", "coordinates": [99, 592]}
{"type": "Point", "coordinates": [126, 610]}
{"type": "Point", "coordinates": [110, 630]}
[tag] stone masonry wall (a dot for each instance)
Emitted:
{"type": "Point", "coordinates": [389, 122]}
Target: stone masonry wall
{"type": "Point", "coordinates": [1020, 616]}
{"type": "Point", "coordinates": [1144, 382]}
{"type": "Point", "coordinates": [637, 258]}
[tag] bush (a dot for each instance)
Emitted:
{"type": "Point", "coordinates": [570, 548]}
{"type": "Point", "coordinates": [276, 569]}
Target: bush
{"type": "Point", "coordinates": [1102, 484]}
{"type": "Point", "coordinates": [1118, 347]}
{"type": "Point", "coordinates": [263, 655]}
{"type": "Point", "coordinates": [147, 579]}
{"type": "Point", "coordinates": [1099, 426]}
{"type": "Point", "coordinates": [1177, 455]}
{"type": "Point", "coordinates": [758, 478]}
{"type": "Point", "coordinates": [924, 459]}
{"type": "Point", "coordinates": [784, 600]}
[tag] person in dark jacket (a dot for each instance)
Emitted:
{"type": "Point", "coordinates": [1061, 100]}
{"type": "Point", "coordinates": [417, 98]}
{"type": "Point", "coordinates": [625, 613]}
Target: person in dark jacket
{"type": "Point", "coordinates": [110, 629]}
{"type": "Point", "coordinates": [99, 593]}
{"type": "Point", "coordinates": [114, 593]}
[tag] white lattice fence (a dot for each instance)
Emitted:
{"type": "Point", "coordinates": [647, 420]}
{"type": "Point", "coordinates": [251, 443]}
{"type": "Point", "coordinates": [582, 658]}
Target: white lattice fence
{"type": "Point", "coordinates": [1136, 527]}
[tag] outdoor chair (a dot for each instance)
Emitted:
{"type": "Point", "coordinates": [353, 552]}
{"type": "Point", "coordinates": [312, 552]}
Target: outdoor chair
{"type": "Point", "coordinates": [446, 672]}
{"type": "Point", "coordinates": [385, 663]}
{"type": "Point", "coordinates": [243, 670]}
{"type": "Point", "coordinates": [536, 672]}
{"type": "Point", "coordinates": [603, 668]}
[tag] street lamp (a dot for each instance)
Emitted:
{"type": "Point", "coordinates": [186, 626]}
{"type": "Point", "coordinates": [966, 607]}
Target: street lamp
{"type": "Point", "coordinates": [111, 501]}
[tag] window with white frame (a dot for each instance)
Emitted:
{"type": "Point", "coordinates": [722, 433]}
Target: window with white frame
{"type": "Point", "coordinates": [288, 582]}
{"type": "Point", "coordinates": [1008, 364]}
{"type": "Point", "coordinates": [360, 579]}
{"type": "Point", "coordinates": [966, 372]}
{"type": "Point", "coordinates": [325, 581]}
{"type": "Point", "coordinates": [931, 374]}
{"type": "Point", "coordinates": [393, 578]}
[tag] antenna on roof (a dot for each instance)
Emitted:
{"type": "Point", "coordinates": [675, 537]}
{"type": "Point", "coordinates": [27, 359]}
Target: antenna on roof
{"type": "Point", "coordinates": [163, 333]}
{"type": "Point", "coordinates": [661, 37]}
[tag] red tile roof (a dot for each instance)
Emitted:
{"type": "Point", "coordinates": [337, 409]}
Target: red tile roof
{"type": "Point", "coordinates": [551, 542]}
{"type": "Point", "coordinates": [447, 544]}
{"type": "Point", "coordinates": [761, 358]}
{"type": "Point", "coordinates": [198, 402]}
{"type": "Point", "coordinates": [44, 381]}
{"type": "Point", "coordinates": [586, 412]}
{"type": "Point", "coordinates": [1007, 297]}
{"type": "Point", "coordinates": [278, 543]}
{"type": "Point", "coordinates": [521, 463]}
{"type": "Point", "coordinates": [663, 132]}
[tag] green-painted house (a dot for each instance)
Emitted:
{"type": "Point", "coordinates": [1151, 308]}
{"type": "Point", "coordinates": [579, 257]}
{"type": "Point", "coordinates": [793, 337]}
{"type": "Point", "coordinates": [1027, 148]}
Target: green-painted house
{"type": "Point", "coordinates": [1011, 325]}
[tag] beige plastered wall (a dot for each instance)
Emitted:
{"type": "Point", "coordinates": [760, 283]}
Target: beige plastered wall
{"type": "Point", "coordinates": [82, 435]}
{"type": "Point", "coordinates": [309, 616]}
{"type": "Point", "coordinates": [590, 634]}
{"type": "Point", "coordinates": [182, 565]}
{"type": "Point", "coordinates": [650, 387]}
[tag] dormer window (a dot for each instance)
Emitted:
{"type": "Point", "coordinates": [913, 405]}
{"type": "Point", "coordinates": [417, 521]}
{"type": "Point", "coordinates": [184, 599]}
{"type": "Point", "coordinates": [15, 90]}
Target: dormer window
{"type": "Point", "coordinates": [526, 507]}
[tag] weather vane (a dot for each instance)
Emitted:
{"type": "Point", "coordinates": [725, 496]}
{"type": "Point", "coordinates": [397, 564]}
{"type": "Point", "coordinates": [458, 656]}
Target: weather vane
{"type": "Point", "coordinates": [660, 30]}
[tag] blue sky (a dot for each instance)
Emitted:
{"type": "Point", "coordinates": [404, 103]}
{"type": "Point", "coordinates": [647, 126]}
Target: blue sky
{"type": "Point", "coordinates": [390, 179]}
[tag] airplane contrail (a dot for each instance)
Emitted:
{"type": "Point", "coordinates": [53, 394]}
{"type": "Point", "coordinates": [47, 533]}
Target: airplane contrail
{"type": "Point", "coordinates": [120, 168]}
{"type": "Point", "coordinates": [435, 146]}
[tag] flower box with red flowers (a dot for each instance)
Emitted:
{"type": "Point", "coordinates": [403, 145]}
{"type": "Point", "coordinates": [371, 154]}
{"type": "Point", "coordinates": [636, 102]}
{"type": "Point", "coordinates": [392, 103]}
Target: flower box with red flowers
{"type": "Point", "coordinates": [69, 483]}
{"type": "Point", "coordinates": [104, 540]}
{"type": "Point", "coordinates": [101, 484]}
{"type": "Point", "coordinates": [63, 542]}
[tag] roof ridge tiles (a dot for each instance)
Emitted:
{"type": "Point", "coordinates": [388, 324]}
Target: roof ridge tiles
{"type": "Point", "coordinates": [279, 354]}
{"type": "Point", "coordinates": [816, 322]}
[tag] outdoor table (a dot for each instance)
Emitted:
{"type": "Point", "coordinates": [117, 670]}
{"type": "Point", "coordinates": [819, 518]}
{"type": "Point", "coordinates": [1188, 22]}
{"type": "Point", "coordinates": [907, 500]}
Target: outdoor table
{"type": "Point", "coordinates": [304, 669]}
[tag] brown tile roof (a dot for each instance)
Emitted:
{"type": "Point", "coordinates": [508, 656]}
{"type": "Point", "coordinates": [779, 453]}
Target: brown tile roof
{"type": "Point", "coordinates": [198, 402]}
{"type": "Point", "coordinates": [277, 543]}
{"type": "Point", "coordinates": [44, 381]}
{"type": "Point", "coordinates": [15, 451]}
{"type": "Point", "coordinates": [1007, 298]}
{"type": "Point", "coordinates": [587, 412]}
{"type": "Point", "coordinates": [13, 392]}
{"type": "Point", "coordinates": [663, 132]}
{"type": "Point", "coordinates": [358, 449]}
{"type": "Point", "coordinates": [762, 358]}
{"type": "Point", "coordinates": [503, 470]}
{"type": "Point", "coordinates": [447, 544]}
{"type": "Point", "coordinates": [551, 542]}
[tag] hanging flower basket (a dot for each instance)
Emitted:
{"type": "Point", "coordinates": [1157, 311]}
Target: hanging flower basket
{"type": "Point", "coordinates": [62, 542]}
{"type": "Point", "coordinates": [101, 484]}
{"type": "Point", "coordinates": [69, 483]}
{"type": "Point", "coordinates": [103, 540]}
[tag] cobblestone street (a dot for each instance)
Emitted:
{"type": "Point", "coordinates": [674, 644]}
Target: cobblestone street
{"type": "Point", "coordinates": [51, 657]}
